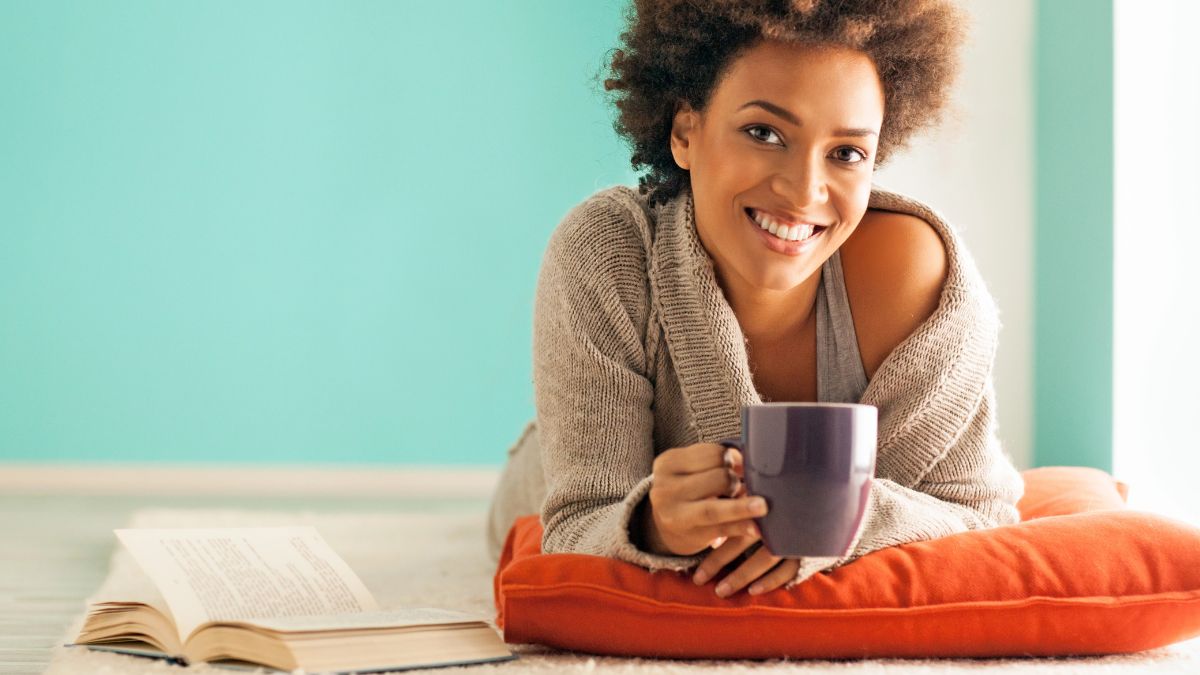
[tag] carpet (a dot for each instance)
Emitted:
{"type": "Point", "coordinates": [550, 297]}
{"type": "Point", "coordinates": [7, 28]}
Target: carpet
{"type": "Point", "coordinates": [439, 559]}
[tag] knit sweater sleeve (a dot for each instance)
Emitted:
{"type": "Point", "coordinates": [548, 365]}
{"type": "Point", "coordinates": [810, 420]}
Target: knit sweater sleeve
{"type": "Point", "coordinates": [592, 394]}
{"type": "Point", "coordinates": [941, 469]}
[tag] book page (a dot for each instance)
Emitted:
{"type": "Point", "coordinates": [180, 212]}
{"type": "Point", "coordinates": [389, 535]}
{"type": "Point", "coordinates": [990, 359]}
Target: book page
{"type": "Point", "coordinates": [384, 618]}
{"type": "Point", "coordinates": [231, 573]}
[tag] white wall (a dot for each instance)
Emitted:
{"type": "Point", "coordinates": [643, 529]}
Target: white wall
{"type": "Point", "coordinates": [977, 171]}
{"type": "Point", "coordinates": [1157, 240]}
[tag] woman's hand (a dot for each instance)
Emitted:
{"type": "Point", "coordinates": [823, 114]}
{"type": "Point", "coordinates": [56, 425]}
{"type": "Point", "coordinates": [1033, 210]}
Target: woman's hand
{"type": "Point", "coordinates": [687, 511]}
{"type": "Point", "coordinates": [766, 571]}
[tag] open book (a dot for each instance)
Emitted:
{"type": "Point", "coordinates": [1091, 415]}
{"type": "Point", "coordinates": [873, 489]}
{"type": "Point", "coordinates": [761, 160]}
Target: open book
{"type": "Point", "coordinates": [278, 597]}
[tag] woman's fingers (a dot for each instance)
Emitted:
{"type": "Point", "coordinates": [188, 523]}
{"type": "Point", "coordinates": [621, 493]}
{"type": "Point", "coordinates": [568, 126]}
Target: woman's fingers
{"type": "Point", "coordinates": [732, 460]}
{"type": "Point", "coordinates": [716, 482]}
{"type": "Point", "coordinates": [697, 496]}
{"type": "Point", "coordinates": [695, 458]}
{"type": "Point", "coordinates": [759, 565]}
{"type": "Point", "coordinates": [741, 528]}
{"type": "Point", "coordinates": [723, 553]}
{"type": "Point", "coordinates": [729, 517]}
{"type": "Point", "coordinates": [698, 472]}
{"type": "Point", "coordinates": [719, 534]}
{"type": "Point", "coordinates": [736, 487]}
{"type": "Point", "coordinates": [783, 573]}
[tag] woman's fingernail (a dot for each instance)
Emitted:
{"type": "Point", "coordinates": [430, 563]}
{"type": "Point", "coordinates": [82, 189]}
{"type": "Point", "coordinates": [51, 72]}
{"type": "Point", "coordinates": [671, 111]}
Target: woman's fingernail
{"type": "Point", "coordinates": [723, 589]}
{"type": "Point", "coordinates": [755, 589]}
{"type": "Point", "coordinates": [700, 577]}
{"type": "Point", "coordinates": [717, 542]}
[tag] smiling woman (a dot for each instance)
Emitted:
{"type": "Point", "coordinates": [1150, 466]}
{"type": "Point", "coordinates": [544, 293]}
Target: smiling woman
{"type": "Point", "coordinates": [794, 172]}
{"type": "Point", "coordinates": [757, 262]}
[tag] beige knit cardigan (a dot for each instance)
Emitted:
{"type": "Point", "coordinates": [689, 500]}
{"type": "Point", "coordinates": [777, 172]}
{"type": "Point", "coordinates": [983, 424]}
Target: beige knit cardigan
{"type": "Point", "coordinates": [636, 350]}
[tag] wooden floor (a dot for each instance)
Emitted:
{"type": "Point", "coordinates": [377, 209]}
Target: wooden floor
{"type": "Point", "coordinates": [57, 549]}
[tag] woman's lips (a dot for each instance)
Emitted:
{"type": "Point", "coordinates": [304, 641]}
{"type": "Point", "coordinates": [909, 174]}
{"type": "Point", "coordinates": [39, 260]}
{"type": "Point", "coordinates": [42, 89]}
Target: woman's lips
{"type": "Point", "coordinates": [790, 248]}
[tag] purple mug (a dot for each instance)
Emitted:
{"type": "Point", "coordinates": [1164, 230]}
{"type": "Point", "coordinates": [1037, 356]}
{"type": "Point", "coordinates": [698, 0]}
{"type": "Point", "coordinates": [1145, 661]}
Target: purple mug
{"type": "Point", "coordinates": [813, 463]}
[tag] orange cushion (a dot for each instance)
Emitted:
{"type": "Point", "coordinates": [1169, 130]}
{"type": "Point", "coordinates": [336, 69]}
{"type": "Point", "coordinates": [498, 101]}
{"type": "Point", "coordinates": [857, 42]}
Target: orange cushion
{"type": "Point", "coordinates": [1080, 575]}
{"type": "Point", "coordinates": [1063, 490]}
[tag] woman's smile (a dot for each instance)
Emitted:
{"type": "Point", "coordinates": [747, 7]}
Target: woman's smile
{"type": "Point", "coordinates": [789, 247]}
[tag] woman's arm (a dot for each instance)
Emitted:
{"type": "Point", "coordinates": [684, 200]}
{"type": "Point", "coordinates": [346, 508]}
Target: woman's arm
{"type": "Point", "coordinates": [941, 468]}
{"type": "Point", "coordinates": [591, 390]}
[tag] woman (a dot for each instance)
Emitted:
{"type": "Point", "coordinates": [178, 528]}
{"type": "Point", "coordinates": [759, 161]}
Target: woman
{"type": "Point", "coordinates": [757, 263]}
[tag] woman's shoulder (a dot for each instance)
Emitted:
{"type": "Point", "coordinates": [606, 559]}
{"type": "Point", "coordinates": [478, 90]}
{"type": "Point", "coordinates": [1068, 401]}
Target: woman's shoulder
{"type": "Point", "coordinates": [897, 264]}
{"type": "Point", "coordinates": [895, 213]}
{"type": "Point", "coordinates": [611, 224]}
{"type": "Point", "coordinates": [592, 286]}
{"type": "Point", "coordinates": [898, 250]}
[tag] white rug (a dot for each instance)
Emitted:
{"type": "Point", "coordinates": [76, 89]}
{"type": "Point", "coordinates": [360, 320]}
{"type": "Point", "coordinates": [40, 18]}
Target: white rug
{"type": "Point", "coordinates": [439, 560]}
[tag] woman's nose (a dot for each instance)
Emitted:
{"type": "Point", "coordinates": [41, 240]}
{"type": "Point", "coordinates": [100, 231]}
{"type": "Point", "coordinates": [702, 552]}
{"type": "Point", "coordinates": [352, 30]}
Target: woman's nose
{"type": "Point", "coordinates": [802, 186]}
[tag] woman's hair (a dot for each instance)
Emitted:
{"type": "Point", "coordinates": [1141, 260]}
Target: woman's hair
{"type": "Point", "coordinates": [676, 50]}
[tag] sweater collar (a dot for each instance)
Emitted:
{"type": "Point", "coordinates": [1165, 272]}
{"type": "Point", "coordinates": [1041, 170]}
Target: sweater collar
{"type": "Point", "coordinates": [936, 377]}
{"type": "Point", "coordinates": [704, 338]}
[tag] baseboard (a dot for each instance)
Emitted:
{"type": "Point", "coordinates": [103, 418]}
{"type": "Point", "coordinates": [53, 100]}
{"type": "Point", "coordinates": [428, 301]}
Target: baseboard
{"type": "Point", "coordinates": [142, 479]}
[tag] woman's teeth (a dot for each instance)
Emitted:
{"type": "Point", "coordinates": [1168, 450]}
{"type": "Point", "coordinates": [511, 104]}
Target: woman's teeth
{"type": "Point", "coordinates": [787, 233]}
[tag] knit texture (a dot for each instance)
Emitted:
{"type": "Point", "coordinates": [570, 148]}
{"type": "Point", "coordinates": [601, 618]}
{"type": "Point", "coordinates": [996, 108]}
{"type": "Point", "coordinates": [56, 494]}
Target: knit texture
{"type": "Point", "coordinates": [636, 350]}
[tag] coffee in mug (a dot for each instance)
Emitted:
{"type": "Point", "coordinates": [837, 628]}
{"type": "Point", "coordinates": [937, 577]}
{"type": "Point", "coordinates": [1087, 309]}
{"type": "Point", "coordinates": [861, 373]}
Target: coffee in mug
{"type": "Point", "coordinates": [813, 463]}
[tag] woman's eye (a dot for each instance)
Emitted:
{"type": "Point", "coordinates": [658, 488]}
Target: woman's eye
{"type": "Point", "coordinates": [756, 130]}
{"type": "Point", "coordinates": [840, 153]}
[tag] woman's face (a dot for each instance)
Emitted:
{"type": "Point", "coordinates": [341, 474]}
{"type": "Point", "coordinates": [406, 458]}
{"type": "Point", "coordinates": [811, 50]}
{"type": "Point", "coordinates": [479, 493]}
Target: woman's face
{"type": "Point", "coordinates": [789, 133]}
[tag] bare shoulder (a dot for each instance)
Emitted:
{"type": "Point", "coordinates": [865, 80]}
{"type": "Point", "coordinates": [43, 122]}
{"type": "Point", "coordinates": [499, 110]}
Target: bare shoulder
{"type": "Point", "coordinates": [895, 267]}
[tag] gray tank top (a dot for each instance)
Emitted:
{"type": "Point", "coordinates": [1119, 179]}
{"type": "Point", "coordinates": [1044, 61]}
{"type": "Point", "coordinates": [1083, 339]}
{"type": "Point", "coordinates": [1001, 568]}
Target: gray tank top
{"type": "Point", "coordinates": [840, 374]}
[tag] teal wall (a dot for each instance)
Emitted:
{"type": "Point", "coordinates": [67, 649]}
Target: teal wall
{"type": "Point", "coordinates": [1073, 237]}
{"type": "Point", "coordinates": [223, 226]}
{"type": "Point", "coordinates": [285, 231]}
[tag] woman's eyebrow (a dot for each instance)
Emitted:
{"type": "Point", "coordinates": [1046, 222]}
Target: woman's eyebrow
{"type": "Point", "coordinates": [785, 114]}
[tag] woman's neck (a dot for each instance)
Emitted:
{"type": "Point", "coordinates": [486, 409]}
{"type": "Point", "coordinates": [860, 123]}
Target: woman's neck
{"type": "Point", "coordinates": [769, 316]}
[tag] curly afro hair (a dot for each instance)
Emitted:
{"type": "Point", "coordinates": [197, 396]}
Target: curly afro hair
{"type": "Point", "coordinates": [674, 51]}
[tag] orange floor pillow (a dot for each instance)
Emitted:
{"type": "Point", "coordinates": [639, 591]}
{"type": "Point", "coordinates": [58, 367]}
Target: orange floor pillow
{"type": "Point", "coordinates": [1080, 574]}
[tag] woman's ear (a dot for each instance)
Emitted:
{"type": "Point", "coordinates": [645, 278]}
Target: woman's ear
{"type": "Point", "coordinates": [683, 127]}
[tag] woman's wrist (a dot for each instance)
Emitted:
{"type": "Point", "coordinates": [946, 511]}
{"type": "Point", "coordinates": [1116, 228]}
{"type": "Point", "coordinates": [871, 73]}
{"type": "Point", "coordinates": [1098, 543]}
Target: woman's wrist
{"type": "Point", "coordinates": [644, 532]}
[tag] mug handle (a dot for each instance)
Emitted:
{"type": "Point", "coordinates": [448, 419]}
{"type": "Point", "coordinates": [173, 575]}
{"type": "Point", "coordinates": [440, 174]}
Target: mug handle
{"type": "Point", "coordinates": [738, 487]}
